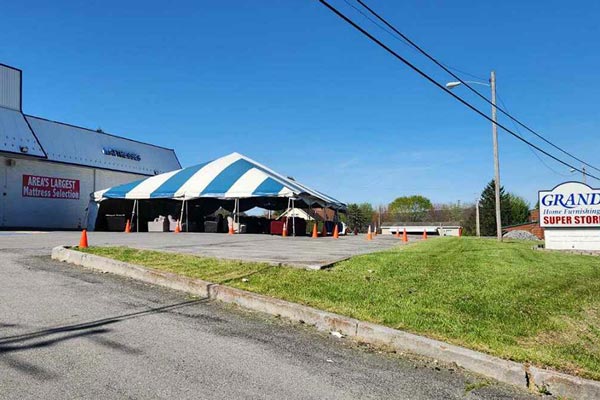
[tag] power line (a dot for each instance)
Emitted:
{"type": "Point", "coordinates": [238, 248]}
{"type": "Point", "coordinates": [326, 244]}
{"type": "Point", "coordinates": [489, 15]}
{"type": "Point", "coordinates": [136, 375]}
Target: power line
{"type": "Point", "coordinates": [479, 78]}
{"type": "Point", "coordinates": [405, 42]}
{"type": "Point", "coordinates": [445, 68]}
{"type": "Point", "coordinates": [530, 149]}
{"type": "Point", "coordinates": [430, 79]}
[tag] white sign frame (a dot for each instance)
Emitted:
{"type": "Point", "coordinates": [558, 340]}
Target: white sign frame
{"type": "Point", "coordinates": [570, 205]}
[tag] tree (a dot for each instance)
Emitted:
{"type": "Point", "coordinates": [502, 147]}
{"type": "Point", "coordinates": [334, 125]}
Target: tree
{"type": "Point", "coordinates": [449, 212]}
{"type": "Point", "coordinates": [354, 216]}
{"type": "Point", "coordinates": [412, 208]}
{"type": "Point", "coordinates": [469, 221]}
{"type": "Point", "coordinates": [368, 213]}
{"type": "Point", "coordinates": [487, 209]}
{"type": "Point", "coordinates": [358, 216]}
{"type": "Point", "coordinates": [519, 209]}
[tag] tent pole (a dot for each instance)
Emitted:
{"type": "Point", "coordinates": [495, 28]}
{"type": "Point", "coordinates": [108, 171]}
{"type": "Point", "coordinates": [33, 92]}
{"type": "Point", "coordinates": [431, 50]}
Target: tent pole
{"type": "Point", "coordinates": [133, 211]}
{"type": "Point", "coordinates": [181, 215]}
{"type": "Point", "coordinates": [287, 217]}
{"type": "Point", "coordinates": [137, 216]}
{"type": "Point", "coordinates": [187, 222]}
{"type": "Point", "coordinates": [293, 218]}
{"type": "Point", "coordinates": [237, 210]}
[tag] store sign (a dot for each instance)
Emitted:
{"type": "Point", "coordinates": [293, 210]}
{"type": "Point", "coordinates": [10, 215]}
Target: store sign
{"type": "Point", "coordinates": [122, 154]}
{"type": "Point", "coordinates": [50, 188]}
{"type": "Point", "coordinates": [570, 205]}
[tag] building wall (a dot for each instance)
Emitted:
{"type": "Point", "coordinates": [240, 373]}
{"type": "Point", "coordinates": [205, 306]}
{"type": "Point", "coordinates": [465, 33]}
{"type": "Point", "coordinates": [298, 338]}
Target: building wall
{"type": "Point", "coordinates": [418, 230]}
{"type": "Point", "coordinates": [10, 87]}
{"type": "Point", "coordinates": [532, 227]}
{"type": "Point", "coordinates": [17, 210]}
{"type": "Point", "coordinates": [75, 145]}
{"type": "Point", "coordinates": [572, 238]}
{"type": "Point", "coordinates": [16, 136]}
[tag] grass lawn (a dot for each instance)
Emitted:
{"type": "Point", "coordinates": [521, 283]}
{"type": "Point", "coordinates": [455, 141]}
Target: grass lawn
{"type": "Point", "coordinates": [501, 298]}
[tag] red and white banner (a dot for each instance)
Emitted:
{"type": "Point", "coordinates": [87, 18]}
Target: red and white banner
{"type": "Point", "coordinates": [50, 188]}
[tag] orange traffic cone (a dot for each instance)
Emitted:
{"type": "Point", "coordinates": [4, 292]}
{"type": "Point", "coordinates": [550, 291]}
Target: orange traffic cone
{"type": "Point", "coordinates": [369, 234]}
{"type": "Point", "coordinates": [315, 233]}
{"type": "Point", "coordinates": [128, 227]}
{"type": "Point", "coordinates": [177, 228]}
{"type": "Point", "coordinates": [83, 243]}
{"type": "Point", "coordinates": [284, 231]}
{"type": "Point", "coordinates": [231, 229]}
{"type": "Point", "coordinates": [336, 232]}
{"type": "Point", "coordinates": [460, 232]}
{"type": "Point", "coordinates": [404, 236]}
{"type": "Point", "coordinates": [424, 234]}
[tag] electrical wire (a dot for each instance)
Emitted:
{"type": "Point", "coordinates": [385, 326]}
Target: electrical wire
{"type": "Point", "coordinates": [403, 41]}
{"type": "Point", "coordinates": [440, 86]}
{"type": "Point", "coordinates": [530, 149]}
{"type": "Point", "coordinates": [406, 39]}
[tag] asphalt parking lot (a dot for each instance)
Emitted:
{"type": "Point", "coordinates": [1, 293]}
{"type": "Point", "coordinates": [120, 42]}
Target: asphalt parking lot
{"type": "Point", "coordinates": [69, 333]}
{"type": "Point", "coordinates": [294, 251]}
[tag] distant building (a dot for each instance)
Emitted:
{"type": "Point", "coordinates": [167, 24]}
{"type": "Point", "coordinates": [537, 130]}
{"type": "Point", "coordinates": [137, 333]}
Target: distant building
{"type": "Point", "coordinates": [532, 225]}
{"type": "Point", "coordinates": [49, 169]}
{"type": "Point", "coordinates": [417, 228]}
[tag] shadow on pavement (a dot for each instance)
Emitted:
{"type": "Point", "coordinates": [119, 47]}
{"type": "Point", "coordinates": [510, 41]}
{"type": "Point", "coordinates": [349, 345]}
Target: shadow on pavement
{"type": "Point", "coordinates": [93, 324]}
{"type": "Point", "coordinates": [91, 329]}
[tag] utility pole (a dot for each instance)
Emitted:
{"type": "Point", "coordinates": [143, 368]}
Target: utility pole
{"type": "Point", "coordinates": [496, 160]}
{"type": "Point", "coordinates": [492, 85]}
{"type": "Point", "coordinates": [477, 229]}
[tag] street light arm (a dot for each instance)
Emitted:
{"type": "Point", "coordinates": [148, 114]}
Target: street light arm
{"type": "Point", "coordinates": [452, 85]}
{"type": "Point", "coordinates": [479, 83]}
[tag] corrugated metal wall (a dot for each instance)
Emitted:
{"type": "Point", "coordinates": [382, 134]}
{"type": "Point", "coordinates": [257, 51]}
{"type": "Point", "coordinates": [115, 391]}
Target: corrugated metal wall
{"type": "Point", "coordinates": [15, 135]}
{"type": "Point", "coordinates": [10, 88]}
{"type": "Point", "coordinates": [17, 210]}
{"type": "Point", "coordinates": [74, 145]}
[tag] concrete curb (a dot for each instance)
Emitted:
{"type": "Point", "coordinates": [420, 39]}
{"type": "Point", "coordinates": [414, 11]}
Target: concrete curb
{"type": "Point", "coordinates": [161, 278]}
{"type": "Point", "coordinates": [513, 373]}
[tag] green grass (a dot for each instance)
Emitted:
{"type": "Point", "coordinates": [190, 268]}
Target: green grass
{"type": "Point", "coordinates": [501, 298]}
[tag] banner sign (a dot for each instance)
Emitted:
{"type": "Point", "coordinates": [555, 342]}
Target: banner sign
{"type": "Point", "coordinates": [107, 151]}
{"type": "Point", "coordinates": [570, 205]}
{"type": "Point", "coordinates": [50, 188]}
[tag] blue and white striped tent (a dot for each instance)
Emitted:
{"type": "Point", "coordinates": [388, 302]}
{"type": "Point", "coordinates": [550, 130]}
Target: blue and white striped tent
{"type": "Point", "coordinates": [234, 176]}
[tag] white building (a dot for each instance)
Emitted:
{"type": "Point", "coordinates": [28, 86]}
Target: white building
{"type": "Point", "coordinates": [439, 229]}
{"type": "Point", "coordinates": [49, 169]}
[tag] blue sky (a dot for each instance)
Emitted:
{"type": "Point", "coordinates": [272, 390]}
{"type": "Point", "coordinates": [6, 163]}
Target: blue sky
{"type": "Point", "coordinates": [289, 84]}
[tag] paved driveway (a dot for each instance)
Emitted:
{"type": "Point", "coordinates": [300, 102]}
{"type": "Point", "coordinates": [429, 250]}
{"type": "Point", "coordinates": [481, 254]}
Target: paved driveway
{"type": "Point", "coordinates": [297, 251]}
{"type": "Point", "coordinates": [66, 333]}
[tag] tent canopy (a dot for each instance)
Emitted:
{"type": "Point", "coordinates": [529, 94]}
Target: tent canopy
{"type": "Point", "coordinates": [234, 176]}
